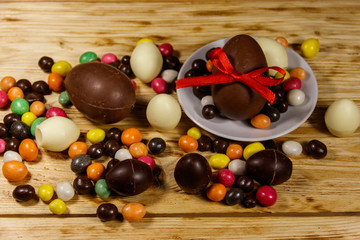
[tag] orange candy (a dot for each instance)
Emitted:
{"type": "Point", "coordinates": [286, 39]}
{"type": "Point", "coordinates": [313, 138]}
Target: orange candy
{"type": "Point", "coordinates": [282, 41]}
{"type": "Point", "coordinates": [77, 148]}
{"type": "Point", "coordinates": [138, 150]}
{"type": "Point", "coordinates": [188, 143]}
{"type": "Point", "coordinates": [37, 108]}
{"type": "Point", "coordinates": [130, 136]}
{"type": "Point", "coordinates": [133, 212]}
{"type": "Point", "coordinates": [6, 83]}
{"type": "Point", "coordinates": [261, 121]}
{"type": "Point", "coordinates": [28, 149]}
{"type": "Point", "coordinates": [95, 171]}
{"type": "Point", "coordinates": [234, 151]}
{"type": "Point", "coordinates": [55, 82]}
{"type": "Point", "coordinates": [298, 72]}
{"type": "Point", "coordinates": [14, 171]}
{"type": "Point", "coordinates": [209, 65]}
{"type": "Point", "coordinates": [216, 192]}
{"type": "Point", "coordinates": [14, 93]}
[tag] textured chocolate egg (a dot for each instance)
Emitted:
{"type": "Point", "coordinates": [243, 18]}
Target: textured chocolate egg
{"type": "Point", "coordinates": [101, 92]}
{"type": "Point", "coordinates": [192, 173]}
{"type": "Point", "coordinates": [236, 100]}
{"type": "Point", "coordinates": [129, 177]}
{"type": "Point", "coordinates": [269, 167]}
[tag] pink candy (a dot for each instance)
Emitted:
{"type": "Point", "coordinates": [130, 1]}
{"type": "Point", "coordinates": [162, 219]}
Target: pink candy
{"type": "Point", "coordinates": [166, 49]}
{"type": "Point", "coordinates": [2, 145]}
{"type": "Point", "coordinates": [3, 99]}
{"type": "Point", "coordinates": [292, 83]}
{"type": "Point", "coordinates": [159, 85]}
{"type": "Point", "coordinates": [148, 160]}
{"type": "Point", "coordinates": [55, 112]}
{"type": "Point", "coordinates": [109, 58]}
{"type": "Point", "coordinates": [226, 177]}
{"type": "Point", "coordinates": [266, 195]}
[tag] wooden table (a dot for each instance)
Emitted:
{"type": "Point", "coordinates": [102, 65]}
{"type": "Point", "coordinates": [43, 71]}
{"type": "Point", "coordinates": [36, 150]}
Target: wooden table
{"type": "Point", "coordinates": [319, 201]}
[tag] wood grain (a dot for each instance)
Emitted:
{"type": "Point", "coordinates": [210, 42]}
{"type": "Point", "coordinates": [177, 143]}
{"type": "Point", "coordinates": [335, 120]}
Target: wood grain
{"type": "Point", "coordinates": [319, 201]}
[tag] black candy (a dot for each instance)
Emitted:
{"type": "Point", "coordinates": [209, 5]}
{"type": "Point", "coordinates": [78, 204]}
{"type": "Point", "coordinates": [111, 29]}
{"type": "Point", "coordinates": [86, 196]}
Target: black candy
{"type": "Point", "coordinates": [114, 133]}
{"type": "Point", "coordinates": [24, 85]}
{"type": "Point", "coordinates": [111, 147]}
{"type": "Point", "coordinates": [41, 87]}
{"type": "Point", "coordinates": [34, 96]}
{"type": "Point", "coordinates": [10, 118]}
{"type": "Point", "coordinates": [209, 111]}
{"type": "Point", "coordinates": [96, 150]}
{"type": "Point", "coordinates": [4, 130]}
{"type": "Point", "coordinates": [24, 193]}
{"type": "Point", "coordinates": [205, 143]}
{"type": "Point", "coordinates": [107, 212]}
{"type": "Point", "coordinates": [12, 144]}
{"type": "Point", "coordinates": [316, 149]}
{"type": "Point", "coordinates": [83, 185]}
{"type": "Point", "coordinates": [156, 145]}
{"type": "Point", "coordinates": [45, 63]}
{"type": "Point", "coordinates": [249, 201]}
{"type": "Point", "coordinates": [234, 196]}
{"type": "Point", "coordinates": [245, 183]}
{"type": "Point", "coordinates": [80, 163]}
{"type": "Point", "coordinates": [220, 145]}
{"type": "Point", "coordinates": [20, 130]}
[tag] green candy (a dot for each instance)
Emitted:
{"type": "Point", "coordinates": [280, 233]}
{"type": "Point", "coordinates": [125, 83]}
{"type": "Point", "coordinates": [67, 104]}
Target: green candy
{"type": "Point", "coordinates": [88, 57]}
{"type": "Point", "coordinates": [35, 124]}
{"type": "Point", "coordinates": [64, 99]}
{"type": "Point", "coordinates": [19, 106]}
{"type": "Point", "coordinates": [102, 189]}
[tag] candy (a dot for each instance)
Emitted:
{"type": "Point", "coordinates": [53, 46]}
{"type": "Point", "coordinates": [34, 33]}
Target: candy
{"type": "Point", "coordinates": [34, 96]}
{"type": "Point", "coordinates": [245, 183]}
{"type": "Point", "coordinates": [133, 212]}
{"type": "Point", "coordinates": [65, 191]}
{"type": "Point", "coordinates": [87, 57]}
{"type": "Point", "coordinates": [57, 206]}
{"type": "Point", "coordinates": [96, 150]}
{"type": "Point", "coordinates": [55, 112]}
{"type": "Point", "coordinates": [4, 131]}
{"type": "Point", "coordinates": [169, 75]}
{"type": "Point", "coordinates": [83, 185]}
{"type": "Point", "coordinates": [19, 106]}
{"type": "Point", "coordinates": [188, 143]}
{"type": "Point", "coordinates": [219, 161]}
{"type": "Point", "coordinates": [109, 58]}
{"type": "Point", "coordinates": [64, 99]}
{"type": "Point", "coordinates": [159, 85]}
{"type": "Point", "coordinates": [45, 192]}
{"type": "Point", "coordinates": [282, 41]}
{"type": "Point", "coordinates": [28, 118]}
{"type": "Point", "coordinates": [35, 124]}
{"type": "Point", "coordinates": [23, 193]}
{"type": "Point", "coordinates": [45, 63]}
{"type": "Point", "coordinates": [148, 160]}
{"type": "Point", "coordinates": [209, 111]}
{"type": "Point", "coordinates": [171, 62]}
{"type": "Point", "coordinates": [207, 100]}
{"type": "Point", "coordinates": [37, 108]}
{"type": "Point", "coordinates": [61, 67]}
{"type": "Point", "coordinates": [292, 83]}
{"type": "Point", "coordinates": [111, 147]}
{"type": "Point", "coordinates": [11, 155]}
{"type": "Point", "coordinates": [114, 133]}
{"type": "Point", "coordinates": [102, 189]}
{"type": "Point", "coordinates": [20, 130]}
{"type": "Point", "coordinates": [107, 212]}
{"type": "Point", "coordinates": [95, 171]}
{"type": "Point", "coordinates": [55, 82]}
{"type": "Point", "coordinates": [2, 145]}
{"type": "Point", "coordinates": [266, 196]}
{"type": "Point", "coordinates": [156, 145]}
{"type": "Point", "coordinates": [271, 112]}
{"type": "Point", "coordinates": [123, 154]}
{"type": "Point", "coordinates": [237, 166]}
{"type": "Point", "coordinates": [216, 192]}
{"type": "Point", "coordinates": [6, 83]}
{"type": "Point", "coordinates": [138, 150]}
{"type": "Point", "coordinates": [316, 149]}
{"type": "Point", "coordinates": [77, 148]}
{"type": "Point", "coordinates": [205, 143]}
{"type": "Point", "coordinates": [3, 99]}
{"type": "Point", "coordinates": [292, 148]}
{"type": "Point", "coordinates": [24, 85]}
{"type": "Point", "coordinates": [14, 171]}
{"type": "Point", "coordinates": [234, 196]}
{"type": "Point", "coordinates": [260, 121]}
{"type": "Point", "coordinates": [80, 163]}
{"type": "Point", "coordinates": [220, 145]}
{"type": "Point", "coordinates": [298, 72]}
{"type": "Point", "coordinates": [96, 135]}
{"type": "Point", "coordinates": [130, 136]}
{"type": "Point", "coordinates": [166, 49]}
{"type": "Point", "coordinates": [14, 93]}
{"type": "Point", "coordinates": [12, 144]}
{"type": "Point", "coordinates": [28, 150]}
{"type": "Point", "coordinates": [252, 148]}
{"type": "Point", "coordinates": [225, 177]}
{"type": "Point", "coordinates": [295, 97]}
{"type": "Point", "coordinates": [249, 201]}
{"type": "Point", "coordinates": [163, 112]}
{"type": "Point", "coordinates": [194, 132]}
{"type": "Point", "coordinates": [41, 87]}
{"type": "Point", "coordinates": [310, 47]}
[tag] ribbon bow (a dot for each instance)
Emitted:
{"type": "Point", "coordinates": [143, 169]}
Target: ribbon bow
{"type": "Point", "coordinates": [254, 79]}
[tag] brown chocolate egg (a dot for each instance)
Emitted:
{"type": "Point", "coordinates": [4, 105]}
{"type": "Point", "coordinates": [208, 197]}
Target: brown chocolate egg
{"type": "Point", "coordinates": [101, 92]}
{"type": "Point", "coordinates": [269, 167]}
{"type": "Point", "coordinates": [236, 100]}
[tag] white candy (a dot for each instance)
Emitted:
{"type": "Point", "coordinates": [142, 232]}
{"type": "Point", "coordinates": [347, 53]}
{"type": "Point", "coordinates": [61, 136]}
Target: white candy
{"type": "Point", "coordinates": [11, 155]}
{"type": "Point", "coordinates": [65, 191]}
{"type": "Point", "coordinates": [237, 166]}
{"type": "Point", "coordinates": [123, 154]}
{"type": "Point", "coordinates": [292, 148]}
{"type": "Point", "coordinates": [169, 75]}
{"type": "Point", "coordinates": [295, 97]}
{"type": "Point", "coordinates": [207, 100]}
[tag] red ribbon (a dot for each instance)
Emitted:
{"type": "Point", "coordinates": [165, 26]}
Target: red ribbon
{"type": "Point", "coordinates": [255, 79]}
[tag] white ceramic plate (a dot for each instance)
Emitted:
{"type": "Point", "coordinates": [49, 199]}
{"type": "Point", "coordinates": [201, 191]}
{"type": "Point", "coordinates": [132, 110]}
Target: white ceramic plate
{"type": "Point", "coordinates": [242, 130]}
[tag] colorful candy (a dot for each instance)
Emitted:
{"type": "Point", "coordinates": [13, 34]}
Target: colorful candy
{"type": "Point", "coordinates": [61, 67]}
{"type": "Point", "coordinates": [55, 82]}
{"type": "Point", "coordinates": [130, 136]}
{"type": "Point", "coordinates": [234, 151]}
{"type": "Point", "coordinates": [237, 166]}
{"type": "Point", "coordinates": [19, 106]}
{"type": "Point", "coordinates": [266, 196]}
{"type": "Point", "coordinates": [133, 212]}
{"type": "Point", "coordinates": [310, 47]}
{"type": "Point", "coordinates": [194, 132]}
{"type": "Point", "coordinates": [28, 150]}
{"type": "Point", "coordinates": [65, 191]}
{"type": "Point", "coordinates": [14, 93]}
{"type": "Point", "coordinates": [96, 135]}
{"type": "Point", "coordinates": [37, 108]}
{"type": "Point", "coordinates": [3, 99]}
{"type": "Point", "coordinates": [138, 149]}
{"type": "Point", "coordinates": [11, 155]}
{"type": "Point", "coordinates": [6, 83]}
{"type": "Point", "coordinates": [46, 192]}
{"type": "Point", "coordinates": [216, 192]}
{"type": "Point", "coordinates": [219, 161]}
{"type": "Point", "coordinates": [55, 112]}
{"type": "Point", "coordinates": [57, 206]}
{"type": "Point", "coordinates": [95, 171]}
{"type": "Point", "coordinates": [14, 171]}
{"type": "Point", "coordinates": [88, 57]}
{"type": "Point", "coordinates": [253, 148]}
{"type": "Point", "coordinates": [260, 121]}
{"type": "Point", "coordinates": [77, 148]}
{"type": "Point", "coordinates": [123, 154]}
{"type": "Point", "coordinates": [225, 177]}
{"type": "Point", "coordinates": [102, 189]}
{"type": "Point", "coordinates": [292, 148]}
{"type": "Point", "coordinates": [295, 97]}
{"type": "Point", "coordinates": [187, 143]}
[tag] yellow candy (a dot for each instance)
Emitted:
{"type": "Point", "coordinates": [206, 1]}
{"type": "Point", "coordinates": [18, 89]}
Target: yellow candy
{"type": "Point", "coordinates": [96, 135]}
{"type": "Point", "coordinates": [252, 149]}
{"type": "Point", "coordinates": [219, 161]}
{"type": "Point", "coordinates": [279, 75]}
{"type": "Point", "coordinates": [61, 67]}
{"type": "Point", "coordinates": [310, 47]}
{"type": "Point", "coordinates": [57, 206]}
{"type": "Point", "coordinates": [145, 40]}
{"type": "Point", "coordinates": [194, 132]}
{"type": "Point", "coordinates": [45, 192]}
{"type": "Point", "coordinates": [28, 118]}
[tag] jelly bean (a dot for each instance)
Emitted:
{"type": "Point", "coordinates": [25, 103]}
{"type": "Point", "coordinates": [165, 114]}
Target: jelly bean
{"type": "Point", "coordinates": [111, 147]}
{"type": "Point", "coordinates": [130, 136]}
{"type": "Point", "coordinates": [145, 40]}
{"type": "Point", "coordinates": [83, 185]}
{"type": "Point", "coordinates": [88, 57]}
{"type": "Point", "coordinates": [169, 75]}
{"type": "Point", "coordinates": [2, 145]}
{"type": "Point", "coordinates": [96, 150]}
{"type": "Point", "coordinates": [234, 151]}
{"type": "Point", "coordinates": [109, 58]}
{"type": "Point", "coordinates": [205, 143]}
{"type": "Point", "coordinates": [252, 148]}
{"type": "Point", "coordinates": [45, 192]}
{"type": "Point", "coordinates": [237, 166]}
{"type": "Point", "coordinates": [20, 130]}
{"type": "Point", "coordinates": [266, 195]}
{"type": "Point", "coordinates": [11, 155]}
{"type": "Point", "coordinates": [123, 154]}
{"type": "Point", "coordinates": [159, 85]}
{"type": "Point", "coordinates": [6, 83]}
{"type": "Point", "coordinates": [35, 124]}
{"type": "Point", "coordinates": [114, 133]}
{"type": "Point", "coordinates": [316, 149]}
{"type": "Point", "coordinates": [3, 99]}
{"type": "Point", "coordinates": [41, 87]}
{"type": "Point", "coordinates": [138, 149]}
{"type": "Point", "coordinates": [166, 49]}
{"type": "Point", "coordinates": [80, 163]}
{"type": "Point", "coordinates": [55, 112]}
{"type": "Point", "coordinates": [19, 106]}
{"type": "Point", "coordinates": [57, 206]}
{"type": "Point", "coordinates": [14, 171]}
{"type": "Point", "coordinates": [64, 99]}
{"type": "Point", "coordinates": [61, 67]}
{"type": "Point", "coordinates": [107, 212]}
{"type": "Point", "coordinates": [298, 72]}
{"type": "Point", "coordinates": [279, 75]}
{"type": "Point", "coordinates": [220, 145]}
{"type": "Point", "coordinates": [95, 171]}
{"type": "Point", "coordinates": [216, 192]}
{"type": "Point", "coordinates": [234, 196]}
{"type": "Point", "coordinates": [12, 144]}
{"type": "Point", "coordinates": [24, 193]}
{"type": "Point", "coordinates": [157, 145]}
{"type": "Point", "coordinates": [65, 191]}
{"type": "Point", "coordinates": [194, 132]}
{"type": "Point", "coordinates": [133, 211]}
{"type": "Point", "coordinates": [245, 183]}
{"type": "Point", "coordinates": [292, 83]}
{"type": "Point", "coordinates": [219, 161]}
{"type": "Point", "coordinates": [295, 97]}
{"type": "Point", "coordinates": [310, 47]}
{"type": "Point", "coordinates": [282, 41]}
{"type": "Point", "coordinates": [77, 148]}
{"type": "Point", "coordinates": [55, 82]}
{"type": "Point", "coordinates": [28, 118]}
{"type": "Point", "coordinates": [292, 148]}
{"type": "Point", "coordinates": [225, 177]}
{"type": "Point", "coordinates": [148, 160]}
{"type": "Point", "coordinates": [14, 93]}
{"type": "Point", "coordinates": [102, 189]}
{"type": "Point", "coordinates": [260, 121]}
{"type": "Point", "coordinates": [45, 63]}
{"type": "Point", "coordinates": [28, 150]}
{"type": "Point", "coordinates": [37, 108]}
{"type": "Point", "coordinates": [188, 143]}
{"type": "Point", "coordinates": [96, 135]}
{"type": "Point", "coordinates": [209, 65]}
{"type": "Point", "coordinates": [207, 100]}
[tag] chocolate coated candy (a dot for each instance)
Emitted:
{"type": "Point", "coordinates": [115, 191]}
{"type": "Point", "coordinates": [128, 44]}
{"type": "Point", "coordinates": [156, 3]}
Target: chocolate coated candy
{"type": "Point", "coordinates": [24, 193]}
{"type": "Point", "coordinates": [107, 212]}
{"type": "Point", "coordinates": [205, 143]}
{"type": "Point", "coordinates": [192, 173]}
{"type": "Point", "coordinates": [236, 100]}
{"type": "Point", "coordinates": [20, 130]}
{"type": "Point", "coordinates": [100, 91]}
{"type": "Point", "coordinates": [269, 167]}
{"type": "Point", "coordinates": [129, 177]}
{"type": "Point", "coordinates": [83, 185]}
{"type": "Point", "coordinates": [316, 149]}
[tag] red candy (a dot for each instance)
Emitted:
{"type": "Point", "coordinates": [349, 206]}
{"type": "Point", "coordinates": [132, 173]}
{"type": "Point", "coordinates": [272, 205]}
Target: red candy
{"type": "Point", "coordinates": [109, 58]}
{"type": "Point", "coordinates": [292, 83]}
{"type": "Point", "coordinates": [3, 99]}
{"type": "Point", "coordinates": [266, 195]}
{"type": "Point", "coordinates": [55, 112]}
{"type": "Point", "coordinates": [159, 85]}
{"type": "Point", "coordinates": [226, 177]}
{"type": "Point", "coordinates": [148, 160]}
{"type": "Point", "coordinates": [166, 49]}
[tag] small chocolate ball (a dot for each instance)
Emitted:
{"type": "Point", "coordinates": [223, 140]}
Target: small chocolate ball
{"type": "Point", "coordinates": [24, 193]}
{"type": "Point", "coordinates": [281, 105]}
{"type": "Point", "coordinates": [156, 145]}
{"type": "Point", "coordinates": [12, 144]}
{"type": "Point", "coordinates": [201, 91]}
{"type": "Point", "coordinates": [20, 130]}
{"type": "Point", "coordinates": [10, 118]}
{"type": "Point", "coordinates": [316, 149]}
{"type": "Point", "coordinates": [114, 133]}
{"type": "Point", "coordinates": [234, 196]}
{"type": "Point", "coordinates": [209, 111]}
{"type": "Point", "coordinates": [4, 130]}
{"type": "Point", "coordinates": [96, 150]}
{"type": "Point", "coordinates": [83, 185]}
{"type": "Point", "coordinates": [45, 63]}
{"type": "Point", "coordinates": [34, 96]}
{"type": "Point", "coordinates": [245, 183]}
{"type": "Point", "coordinates": [126, 68]}
{"type": "Point", "coordinates": [125, 59]}
{"type": "Point", "coordinates": [205, 143]}
{"type": "Point", "coordinates": [272, 113]}
{"type": "Point", "coordinates": [199, 65]}
{"type": "Point", "coordinates": [249, 201]}
{"type": "Point", "coordinates": [24, 85]}
{"type": "Point", "coordinates": [107, 212]}
{"type": "Point", "coordinates": [41, 87]}
{"type": "Point", "coordinates": [220, 145]}
{"type": "Point", "coordinates": [171, 62]}
{"type": "Point", "coordinates": [111, 147]}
